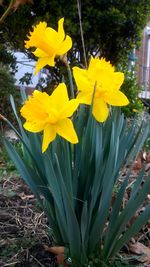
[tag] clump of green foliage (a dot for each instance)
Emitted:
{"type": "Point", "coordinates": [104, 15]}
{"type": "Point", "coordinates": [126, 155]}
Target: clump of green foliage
{"type": "Point", "coordinates": [7, 88]}
{"type": "Point", "coordinates": [116, 25]}
{"type": "Point", "coordinates": [131, 88]}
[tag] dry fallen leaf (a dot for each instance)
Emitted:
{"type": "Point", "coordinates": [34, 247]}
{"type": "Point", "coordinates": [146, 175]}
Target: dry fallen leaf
{"type": "Point", "coordinates": [59, 252]}
{"type": "Point", "coordinates": [55, 250]}
{"type": "Point", "coordinates": [17, 3]}
{"type": "Point", "coordinates": [140, 249]}
{"type": "Point", "coordinates": [24, 197]}
{"type": "Point", "coordinates": [147, 168]}
{"type": "Point", "coordinates": [138, 163]}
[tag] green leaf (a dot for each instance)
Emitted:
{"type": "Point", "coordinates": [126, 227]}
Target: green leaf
{"type": "Point", "coordinates": [123, 218]}
{"type": "Point", "coordinates": [134, 228]}
{"type": "Point", "coordinates": [25, 171]}
{"type": "Point", "coordinates": [72, 225]}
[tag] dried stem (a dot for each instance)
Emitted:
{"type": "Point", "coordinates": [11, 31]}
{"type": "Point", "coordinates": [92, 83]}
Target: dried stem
{"type": "Point", "coordinates": [8, 10]}
{"type": "Point", "coordinates": [81, 31]}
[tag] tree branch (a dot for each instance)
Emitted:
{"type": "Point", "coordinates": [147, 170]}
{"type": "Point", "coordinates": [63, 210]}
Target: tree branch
{"type": "Point", "coordinates": [8, 10]}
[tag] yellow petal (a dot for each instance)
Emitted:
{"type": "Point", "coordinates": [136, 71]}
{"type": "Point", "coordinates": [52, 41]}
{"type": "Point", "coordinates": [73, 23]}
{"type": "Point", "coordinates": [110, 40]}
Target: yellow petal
{"type": "Point", "coordinates": [69, 108]}
{"type": "Point", "coordinates": [66, 129]}
{"type": "Point", "coordinates": [61, 32]}
{"type": "Point", "coordinates": [81, 79]}
{"type": "Point", "coordinates": [36, 35]}
{"type": "Point", "coordinates": [34, 127]}
{"type": "Point", "coordinates": [119, 78]}
{"type": "Point", "coordinates": [98, 68]}
{"type": "Point", "coordinates": [42, 62]}
{"type": "Point", "coordinates": [64, 46]}
{"type": "Point", "coordinates": [116, 98]}
{"type": "Point", "coordinates": [52, 38]}
{"type": "Point", "coordinates": [59, 96]}
{"type": "Point", "coordinates": [100, 110]}
{"type": "Point", "coordinates": [40, 53]}
{"type": "Point", "coordinates": [34, 108]}
{"type": "Point", "coordinates": [84, 98]}
{"type": "Point", "coordinates": [48, 137]}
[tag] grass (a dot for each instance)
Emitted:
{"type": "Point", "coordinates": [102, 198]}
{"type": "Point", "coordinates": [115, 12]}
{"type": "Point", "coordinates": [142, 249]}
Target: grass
{"type": "Point", "coordinates": [16, 245]}
{"type": "Point", "coordinates": [6, 165]}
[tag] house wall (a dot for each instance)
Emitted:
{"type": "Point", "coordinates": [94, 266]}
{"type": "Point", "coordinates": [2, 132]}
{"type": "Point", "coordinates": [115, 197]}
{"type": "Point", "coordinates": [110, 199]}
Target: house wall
{"type": "Point", "coordinates": [143, 66]}
{"type": "Point", "coordinates": [143, 63]}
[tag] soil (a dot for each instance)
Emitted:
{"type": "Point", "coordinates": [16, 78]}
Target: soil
{"type": "Point", "coordinates": [23, 227]}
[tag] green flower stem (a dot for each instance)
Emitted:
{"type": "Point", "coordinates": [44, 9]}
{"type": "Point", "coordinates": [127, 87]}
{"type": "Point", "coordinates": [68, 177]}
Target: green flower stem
{"type": "Point", "coordinates": [70, 81]}
{"type": "Point", "coordinates": [65, 62]}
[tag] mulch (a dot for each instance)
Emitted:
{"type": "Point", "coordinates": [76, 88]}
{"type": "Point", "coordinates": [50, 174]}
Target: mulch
{"type": "Point", "coordinates": [23, 227]}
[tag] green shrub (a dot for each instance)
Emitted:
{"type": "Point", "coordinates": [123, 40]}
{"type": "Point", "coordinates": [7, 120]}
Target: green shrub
{"type": "Point", "coordinates": [7, 87]}
{"type": "Point", "coordinates": [131, 89]}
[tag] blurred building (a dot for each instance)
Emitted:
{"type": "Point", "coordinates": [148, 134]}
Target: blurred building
{"type": "Point", "coordinates": [143, 65]}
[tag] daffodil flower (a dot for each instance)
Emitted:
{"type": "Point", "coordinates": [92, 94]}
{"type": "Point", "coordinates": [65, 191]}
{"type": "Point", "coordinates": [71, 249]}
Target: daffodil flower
{"type": "Point", "coordinates": [49, 43]}
{"type": "Point", "coordinates": [51, 115]}
{"type": "Point", "coordinates": [100, 74]}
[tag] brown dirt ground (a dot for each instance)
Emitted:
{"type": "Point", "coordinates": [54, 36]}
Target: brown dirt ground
{"type": "Point", "coordinates": [23, 227]}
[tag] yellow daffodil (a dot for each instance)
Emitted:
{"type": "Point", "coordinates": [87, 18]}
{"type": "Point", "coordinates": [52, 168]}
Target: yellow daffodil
{"type": "Point", "coordinates": [100, 75]}
{"type": "Point", "coordinates": [49, 43]}
{"type": "Point", "coordinates": [50, 114]}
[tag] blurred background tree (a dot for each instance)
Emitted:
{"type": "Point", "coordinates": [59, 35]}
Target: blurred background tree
{"type": "Point", "coordinates": [7, 88]}
{"type": "Point", "coordinates": [111, 28]}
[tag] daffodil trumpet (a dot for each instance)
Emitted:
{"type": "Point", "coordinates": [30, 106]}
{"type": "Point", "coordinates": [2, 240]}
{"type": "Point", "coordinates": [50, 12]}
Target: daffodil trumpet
{"type": "Point", "coordinates": [48, 43]}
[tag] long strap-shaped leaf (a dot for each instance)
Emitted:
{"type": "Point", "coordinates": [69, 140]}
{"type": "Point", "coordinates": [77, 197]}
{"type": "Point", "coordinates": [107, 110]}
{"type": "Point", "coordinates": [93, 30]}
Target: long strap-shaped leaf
{"type": "Point", "coordinates": [72, 225]}
{"type": "Point", "coordinates": [114, 213]}
{"type": "Point", "coordinates": [123, 218]}
{"type": "Point", "coordinates": [24, 170]}
{"type": "Point", "coordinates": [134, 228]}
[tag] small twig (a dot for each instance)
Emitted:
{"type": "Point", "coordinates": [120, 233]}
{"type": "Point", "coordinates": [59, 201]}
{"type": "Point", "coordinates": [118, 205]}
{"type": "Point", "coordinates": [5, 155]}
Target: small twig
{"type": "Point", "coordinates": [143, 235]}
{"type": "Point", "coordinates": [12, 263]}
{"type": "Point", "coordinates": [37, 219]}
{"type": "Point", "coordinates": [131, 183]}
{"type": "Point", "coordinates": [8, 10]}
{"type": "Point", "coordinates": [37, 261]}
{"type": "Point", "coordinates": [81, 31]}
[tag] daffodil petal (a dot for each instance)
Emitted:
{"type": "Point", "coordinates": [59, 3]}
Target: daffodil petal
{"type": "Point", "coordinates": [42, 62]}
{"type": "Point", "coordinates": [34, 108]}
{"type": "Point", "coordinates": [99, 68]}
{"type": "Point", "coordinates": [66, 130]}
{"type": "Point", "coordinates": [116, 98]}
{"type": "Point", "coordinates": [48, 136]}
{"type": "Point", "coordinates": [119, 78]}
{"type": "Point", "coordinates": [84, 98]}
{"type": "Point", "coordinates": [52, 38]}
{"type": "Point", "coordinates": [38, 33]}
{"type": "Point", "coordinates": [60, 96]}
{"type": "Point", "coordinates": [64, 46]}
{"type": "Point", "coordinates": [40, 53]}
{"type": "Point", "coordinates": [69, 108]}
{"type": "Point", "coordinates": [100, 110]}
{"type": "Point", "coordinates": [34, 127]}
{"type": "Point", "coordinates": [61, 32]}
{"type": "Point", "coordinates": [49, 43]}
{"type": "Point", "coordinates": [81, 79]}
